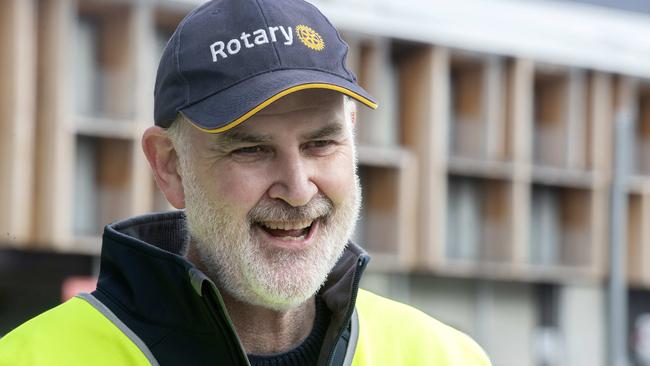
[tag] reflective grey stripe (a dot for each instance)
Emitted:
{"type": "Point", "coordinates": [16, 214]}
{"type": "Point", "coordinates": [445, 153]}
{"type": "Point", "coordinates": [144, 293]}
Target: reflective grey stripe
{"type": "Point", "coordinates": [92, 300]}
{"type": "Point", "coordinates": [354, 337]}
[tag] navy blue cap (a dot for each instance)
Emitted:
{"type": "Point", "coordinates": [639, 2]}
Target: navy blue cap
{"type": "Point", "coordinates": [228, 59]}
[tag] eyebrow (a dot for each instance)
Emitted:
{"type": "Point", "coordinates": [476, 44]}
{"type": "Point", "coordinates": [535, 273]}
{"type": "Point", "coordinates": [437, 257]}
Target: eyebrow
{"type": "Point", "coordinates": [329, 130]}
{"type": "Point", "coordinates": [233, 137]}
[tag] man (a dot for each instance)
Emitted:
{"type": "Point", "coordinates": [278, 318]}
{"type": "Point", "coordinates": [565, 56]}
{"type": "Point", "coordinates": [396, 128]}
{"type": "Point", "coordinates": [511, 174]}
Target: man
{"type": "Point", "coordinates": [254, 139]}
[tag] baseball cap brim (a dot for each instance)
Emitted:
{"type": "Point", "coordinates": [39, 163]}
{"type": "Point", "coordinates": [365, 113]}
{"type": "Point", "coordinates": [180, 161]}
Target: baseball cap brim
{"type": "Point", "coordinates": [230, 107]}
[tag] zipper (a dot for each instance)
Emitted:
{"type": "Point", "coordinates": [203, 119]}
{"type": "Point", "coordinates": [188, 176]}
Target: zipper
{"type": "Point", "coordinates": [213, 308]}
{"type": "Point", "coordinates": [361, 265]}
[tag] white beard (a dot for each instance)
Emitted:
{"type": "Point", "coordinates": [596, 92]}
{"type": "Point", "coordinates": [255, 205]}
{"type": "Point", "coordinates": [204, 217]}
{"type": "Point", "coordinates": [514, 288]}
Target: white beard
{"type": "Point", "coordinates": [258, 274]}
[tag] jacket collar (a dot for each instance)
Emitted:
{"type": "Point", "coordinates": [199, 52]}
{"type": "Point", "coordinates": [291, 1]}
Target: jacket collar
{"type": "Point", "coordinates": [144, 270]}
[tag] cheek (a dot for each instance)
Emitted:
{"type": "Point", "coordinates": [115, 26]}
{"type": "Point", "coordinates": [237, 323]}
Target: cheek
{"type": "Point", "coordinates": [336, 180]}
{"type": "Point", "coordinates": [238, 188]}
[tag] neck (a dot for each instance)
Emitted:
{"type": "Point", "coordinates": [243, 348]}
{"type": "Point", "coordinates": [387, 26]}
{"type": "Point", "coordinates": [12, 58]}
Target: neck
{"type": "Point", "coordinates": [262, 330]}
{"type": "Point", "coordinates": [265, 331]}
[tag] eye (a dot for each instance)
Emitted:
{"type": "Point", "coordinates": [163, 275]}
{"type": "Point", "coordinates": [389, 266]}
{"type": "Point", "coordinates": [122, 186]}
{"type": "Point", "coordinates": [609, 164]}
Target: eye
{"type": "Point", "coordinates": [321, 143]}
{"type": "Point", "coordinates": [248, 150]}
{"type": "Point", "coordinates": [250, 153]}
{"type": "Point", "coordinates": [320, 147]}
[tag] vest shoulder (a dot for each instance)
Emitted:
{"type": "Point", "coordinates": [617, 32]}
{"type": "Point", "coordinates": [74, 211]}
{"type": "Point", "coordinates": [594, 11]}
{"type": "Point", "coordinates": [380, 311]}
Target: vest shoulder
{"type": "Point", "coordinates": [410, 334]}
{"type": "Point", "coordinates": [73, 333]}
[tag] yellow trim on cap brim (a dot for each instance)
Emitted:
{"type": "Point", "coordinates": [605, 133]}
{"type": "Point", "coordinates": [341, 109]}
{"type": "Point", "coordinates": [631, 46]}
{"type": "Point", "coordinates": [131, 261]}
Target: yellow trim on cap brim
{"type": "Point", "coordinates": [281, 94]}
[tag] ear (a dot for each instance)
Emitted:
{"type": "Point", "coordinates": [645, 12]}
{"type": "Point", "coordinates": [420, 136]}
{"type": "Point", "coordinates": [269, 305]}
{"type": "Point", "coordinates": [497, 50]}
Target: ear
{"type": "Point", "coordinates": [351, 109]}
{"type": "Point", "coordinates": [164, 163]}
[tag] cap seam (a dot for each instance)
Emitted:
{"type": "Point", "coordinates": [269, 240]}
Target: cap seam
{"type": "Point", "coordinates": [257, 74]}
{"type": "Point", "coordinates": [347, 48]}
{"type": "Point", "coordinates": [176, 52]}
{"type": "Point", "coordinates": [266, 22]}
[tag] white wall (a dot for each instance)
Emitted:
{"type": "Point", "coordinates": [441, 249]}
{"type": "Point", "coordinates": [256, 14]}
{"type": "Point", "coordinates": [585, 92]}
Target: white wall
{"type": "Point", "coordinates": [582, 320]}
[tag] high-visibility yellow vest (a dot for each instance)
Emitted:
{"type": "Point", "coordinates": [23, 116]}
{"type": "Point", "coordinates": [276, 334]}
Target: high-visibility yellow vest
{"type": "Point", "coordinates": [73, 333]}
{"type": "Point", "coordinates": [389, 333]}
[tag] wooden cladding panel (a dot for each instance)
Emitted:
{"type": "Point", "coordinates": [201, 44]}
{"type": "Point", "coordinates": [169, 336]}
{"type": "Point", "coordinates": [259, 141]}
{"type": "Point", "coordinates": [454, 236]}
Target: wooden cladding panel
{"type": "Point", "coordinates": [478, 88]}
{"type": "Point", "coordinates": [377, 75]}
{"type": "Point", "coordinates": [54, 133]}
{"type": "Point", "coordinates": [636, 250]}
{"type": "Point", "coordinates": [17, 108]}
{"type": "Point", "coordinates": [550, 118]}
{"type": "Point", "coordinates": [576, 223]}
{"type": "Point", "coordinates": [114, 159]}
{"type": "Point", "coordinates": [479, 219]}
{"type": "Point", "coordinates": [643, 131]}
{"type": "Point", "coordinates": [467, 97]}
{"type": "Point", "coordinates": [111, 62]}
{"type": "Point", "coordinates": [497, 211]}
{"type": "Point", "coordinates": [424, 112]}
{"type": "Point", "coordinates": [468, 118]}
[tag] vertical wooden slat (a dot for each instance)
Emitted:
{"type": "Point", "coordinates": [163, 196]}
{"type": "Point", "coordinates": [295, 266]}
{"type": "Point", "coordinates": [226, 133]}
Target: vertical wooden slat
{"type": "Point", "coordinates": [576, 120]}
{"type": "Point", "coordinates": [55, 138]}
{"type": "Point", "coordinates": [601, 157]}
{"type": "Point", "coordinates": [494, 112]}
{"type": "Point", "coordinates": [522, 125]}
{"type": "Point", "coordinates": [17, 102]}
{"type": "Point", "coordinates": [377, 76]}
{"type": "Point", "coordinates": [602, 131]}
{"type": "Point", "coordinates": [522, 114]}
{"type": "Point", "coordinates": [407, 211]}
{"type": "Point", "coordinates": [145, 65]}
{"type": "Point", "coordinates": [424, 81]}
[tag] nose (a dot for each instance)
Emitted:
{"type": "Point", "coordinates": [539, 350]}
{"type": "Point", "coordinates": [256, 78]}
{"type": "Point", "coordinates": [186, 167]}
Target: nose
{"type": "Point", "coordinates": [293, 180]}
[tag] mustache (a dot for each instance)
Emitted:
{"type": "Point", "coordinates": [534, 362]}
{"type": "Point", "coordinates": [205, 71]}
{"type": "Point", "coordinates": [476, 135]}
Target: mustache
{"type": "Point", "coordinates": [279, 210]}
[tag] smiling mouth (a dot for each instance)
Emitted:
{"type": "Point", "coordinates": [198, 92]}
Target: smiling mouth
{"type": "Point", "coordinates": [288, 231]}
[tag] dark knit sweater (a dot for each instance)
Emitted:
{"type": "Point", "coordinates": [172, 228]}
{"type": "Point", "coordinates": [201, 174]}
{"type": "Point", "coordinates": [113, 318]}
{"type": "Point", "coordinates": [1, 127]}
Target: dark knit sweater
{"type": "Point", "coordinates": [306, 353]}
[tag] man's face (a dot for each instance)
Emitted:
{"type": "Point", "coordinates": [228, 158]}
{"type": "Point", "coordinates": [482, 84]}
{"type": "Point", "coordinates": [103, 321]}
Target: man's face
{"type": "Point", "coordinates": [272, 202]}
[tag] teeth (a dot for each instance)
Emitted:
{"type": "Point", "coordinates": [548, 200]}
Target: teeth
{"type": "Point", "coordinates": [296, 225]}
{"type": "Point", "coordinates": [293, 238]}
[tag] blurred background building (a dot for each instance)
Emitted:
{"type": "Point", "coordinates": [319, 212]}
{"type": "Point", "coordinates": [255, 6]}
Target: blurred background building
{"type": "Point", "coordinates": [487, 171]}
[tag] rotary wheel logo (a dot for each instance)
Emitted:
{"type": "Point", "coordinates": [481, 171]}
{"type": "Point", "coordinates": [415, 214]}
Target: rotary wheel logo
{"type": "Point", "coordinates": [310, 38]}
